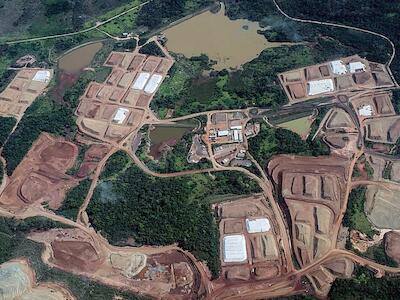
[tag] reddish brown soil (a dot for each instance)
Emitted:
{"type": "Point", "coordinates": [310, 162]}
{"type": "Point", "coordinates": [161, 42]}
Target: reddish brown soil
{"type": "Point", "coordinates": [40, 177]}
{"type": "Point", "coordinates": [75, 256]}
{"type": "Point", "coordinates": [93, 155]}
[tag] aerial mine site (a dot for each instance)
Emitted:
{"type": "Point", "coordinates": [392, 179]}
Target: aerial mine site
{"type": "Point", "coordinates": [199, 149]}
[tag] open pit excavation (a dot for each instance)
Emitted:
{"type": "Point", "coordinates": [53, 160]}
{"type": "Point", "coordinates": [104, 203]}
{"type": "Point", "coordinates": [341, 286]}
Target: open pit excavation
{"type": "Point", "coordinates": [17, 281]}
{"type": "Point", "coordinates": [158, 273]}
{"type": "Point", "coordinates": [27, 85]}
{"type": "Point", "coordinates": [41, 177]}
{"type": "Point", "coordinates": [112, 110]}
{"type": "Point", "coordinates": [345, 75]}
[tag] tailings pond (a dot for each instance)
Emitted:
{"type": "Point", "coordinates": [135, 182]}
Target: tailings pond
{"type": "Point", "coordinates": [72, 64]}
{"type": "Point", "coordinates": [230, 43]}
{"type": "Point", "coordinates": [163, 137]}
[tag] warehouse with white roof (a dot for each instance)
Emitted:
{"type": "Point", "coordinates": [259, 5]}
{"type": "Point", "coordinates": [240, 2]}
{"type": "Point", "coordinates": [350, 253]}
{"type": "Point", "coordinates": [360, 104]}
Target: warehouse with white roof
{"type": "Point", "coordinates": [234, 248]}
{"type": "Point", "coordinates": [141, 81]}
{"type": "Point", "coordinates": [257, 225]}
{"type": "Point", "coordinates": [338, 67]}
{"type": "Point", "coordinates": [317, 87]}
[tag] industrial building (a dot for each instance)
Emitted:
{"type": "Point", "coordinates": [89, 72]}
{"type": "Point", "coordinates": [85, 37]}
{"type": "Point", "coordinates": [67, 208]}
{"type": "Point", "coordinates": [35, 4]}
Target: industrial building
{"type": "Point", "coordinates": [235, 248]}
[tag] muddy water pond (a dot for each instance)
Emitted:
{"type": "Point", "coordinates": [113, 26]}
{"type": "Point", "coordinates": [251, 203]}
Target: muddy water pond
{"type": "Point", "coordinates": [78, 59]}
{"type": "Point", "coordinates": [163, 137]}
{"type": "Point", "coordinates": [230, 43]}
{"type": "Point", "coordinates": [71, 66]}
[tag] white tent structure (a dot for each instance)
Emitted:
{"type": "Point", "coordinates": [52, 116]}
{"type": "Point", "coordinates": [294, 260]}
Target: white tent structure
{"type": "Point", "coordinates": [121, 115]}
{"type": "Point", "coordinates": [141, 81]}
{"type": "Point", "coordinates": [42, 76]}
{"type": "Point", "coordinates": [234, 248]}
{"type": "Point", "coordinates": [338, 67]}
{"type": "Point", "coordinates": [317, 87]}
{"type": "Point", "coordinates": [258, 225]}
{"type": "Point", "coordinates": [153, 84]}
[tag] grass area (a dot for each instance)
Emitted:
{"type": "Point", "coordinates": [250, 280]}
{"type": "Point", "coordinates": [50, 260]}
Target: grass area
{"type": "Point", "coordinates": [129, 203]}
{"type": "Point", "coordinates": [355, 217]}
{"type": "Point", "coordinates": [74, 200]}
{"type": "Point", "coordinates": [125, 23]}
{"type": "Point", "coordinates": [14, 244]}
{"type": "Point", "coordinates": [377, 253]}
{"type": "Point", "coordinates": [300, 126]}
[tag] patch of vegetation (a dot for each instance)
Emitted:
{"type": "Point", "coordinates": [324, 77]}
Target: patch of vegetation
{"type": "Point", "coordinates": [6, 125]}
{"type": "Point", "coordinates": [14, 244]}
{"type": "Point", "coordinates": [364, 285]}
{"type": "Point", "coordinates": [377, 253]}
{"type": "Point", "coordinates": [387, 171]}
{"type": "Point", "coordinates": [369, 169]}
{"type": "Point", "coordinates": [74, 200]}
{"type": "Point", "coordinates": [355, 217]}
{"type": "Point", "coordinates": [162, 211]}
{"type": "Point", "coordinates": [189, 91]}
{"type": "Point", "coordinates": [81, 155]}
{"type": "Point", "coordinates": [115, 165]}
{"type": "Point", "coordinates": [158, 13]}
{"type": "Point", "coordinates": [271, 141]}
{"type": "Point", "coordinates": [151, 49]}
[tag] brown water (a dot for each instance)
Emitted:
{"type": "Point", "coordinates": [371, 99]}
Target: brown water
{"type": "Point", "coordinates": [78, 59]}
{"type": "Point", "coordinates": [229, 42]}
{"type": "Point", "coordinates": [167, 135]}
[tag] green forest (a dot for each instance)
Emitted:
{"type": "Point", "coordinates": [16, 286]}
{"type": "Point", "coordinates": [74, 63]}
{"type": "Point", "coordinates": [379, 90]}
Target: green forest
{"type": "Point", "coordinates": [272, 141]}
{"type": "Point", "coordinates": [161, 211]}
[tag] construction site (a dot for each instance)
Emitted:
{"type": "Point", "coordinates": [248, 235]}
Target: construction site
{"type": "Point", "coordinates": [26, 86]}
{"type": "Point", "coordinates": [347, 74]}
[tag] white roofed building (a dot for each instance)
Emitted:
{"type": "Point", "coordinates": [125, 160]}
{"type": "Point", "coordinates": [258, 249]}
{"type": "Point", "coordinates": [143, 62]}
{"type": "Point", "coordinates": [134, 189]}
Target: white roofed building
{"type": "Point", "coordinates": [338, 67]}
{"type": "Point", "coordinates": [141, 81]}
{"type": "Point", "coordinates": [153, 83]}
{"type": "Point", "coordinates": [356, 67]}
{"type": "Point", "coordinates": [223, 133]}
{"type": "Point", "coordinates": [317, 87]}
{"type": "Point", "coordinates": [42, 76]}
{"type": "Point", "coordinates": [121, 115]}
{"type": "Point", "coordinates": [365, 111]}
{"type": "Point", "coordinates": [257, 225]}
{"type": "Point", "coordinates": [234, 248]}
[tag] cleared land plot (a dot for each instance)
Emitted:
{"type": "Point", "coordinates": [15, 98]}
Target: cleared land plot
{"type": "Point", "coordinates": [300, 126]}
{"type": "Point", "coordinates": [383, 207]}
{"type": "Point", "coordinates": [375, 104]}
{"type": "Point", "coordinates": [27, 85]}
{"type": "Point", "coordinates": [383, 130]}
{"type": "Point", "coordinates": [40, 177]}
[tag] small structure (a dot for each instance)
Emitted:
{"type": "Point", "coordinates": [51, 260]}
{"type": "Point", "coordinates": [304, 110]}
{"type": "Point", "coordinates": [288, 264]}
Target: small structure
{"type": "Point", "coordinates": [317, 87]}
{"type": "Point", "coordinates": [235, 248]}
{"type": "Point", "coordinates": [120, 116]}
{"type": "Point", "coordinates": [257, 225]}
{"type": "Point", "coordinates": [42, 76]}
{"type": "Point", "coordinates": [223, 133]}
{"type": "Point", "coordinates": [356, 67]}
{"type": "Point", "coordinates": [338, 67]}
{"type": "Point", "coordinates": [365, 111]}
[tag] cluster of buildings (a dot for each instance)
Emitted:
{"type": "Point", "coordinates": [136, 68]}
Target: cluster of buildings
{"type": "Point", "coordinates": [228, 133]}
